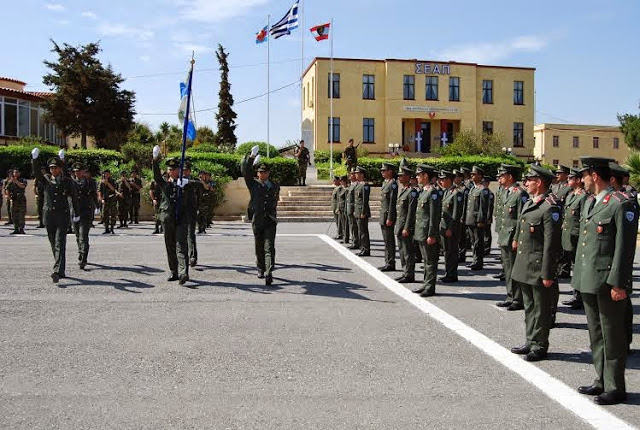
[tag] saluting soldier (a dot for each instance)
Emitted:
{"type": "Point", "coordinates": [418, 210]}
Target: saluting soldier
{"type": "Point", "coordinates": [351, 202]}
{"type": "Point", "coordinates": [16, 191]}
{"type": "Point", "coordinates": [427, 228]}
{"type": "Point", "coordinates": [136, 186]}
{"type": "Point", "coordinates": [602, 274]}
{"type": "Point", "coordinates": [488, 237]}
{"type": "Point", "coordinates": [513, 199]}
{"type": "Point", "coordinates": [55, 211]}
{"type": "Point", "coordinates": [334, 207]}
{"type": "Point", "coordinates": [87, 190]}
{"type": "Point", "coordinates": [342, 209]}
{"type": "Point", "coordinates": [573, 208]}
{"type": "Point", "coordinates": [388, 199]}
{"type": "Point", "coordinates": [452, 203]}
{"type": "Point", "coordinates": [108, 194]}
{"type": "Point", "coordinates": [362, 210]}
{"type": "Point", "coordinates": [476, 216]}
{"type": "Point", "coordinates": [304, 159]}
{"type": "Point", "coordinates": [537, 243]}
{"type": "Point", "coordinates": [406, 204]}
{"type": "Point", "coordinates": [350, 156]}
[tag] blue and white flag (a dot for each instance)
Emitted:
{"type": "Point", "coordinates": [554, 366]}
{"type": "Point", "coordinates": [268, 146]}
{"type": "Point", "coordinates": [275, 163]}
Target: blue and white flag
{"type": "Point", "coordinates": [184, 99]}
{"type": "Point", "coordinates": [286, 24]}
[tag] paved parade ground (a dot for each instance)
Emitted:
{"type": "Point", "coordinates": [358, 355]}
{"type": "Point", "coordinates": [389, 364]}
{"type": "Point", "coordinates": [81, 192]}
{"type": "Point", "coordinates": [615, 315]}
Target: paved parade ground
{"type": "Point", "coordinates": [333, 344]}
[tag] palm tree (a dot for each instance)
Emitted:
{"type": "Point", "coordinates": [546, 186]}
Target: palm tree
{"type": "Point", "coordinates": [633, 164]}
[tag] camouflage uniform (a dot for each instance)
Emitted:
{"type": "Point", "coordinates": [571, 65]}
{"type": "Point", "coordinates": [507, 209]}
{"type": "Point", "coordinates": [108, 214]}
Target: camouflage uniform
{"type": "Point", "coordinates": [108, 188]}
{"type": "Point", "coordinates": [134, 210]}
{"type": "Point", "coordinates": [124, 203]}
{"type": "Point", "coordinates": [18, 203]}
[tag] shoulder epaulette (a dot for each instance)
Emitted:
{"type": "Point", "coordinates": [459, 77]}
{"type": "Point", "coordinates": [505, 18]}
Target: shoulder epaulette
{"type": "Point", "coordinates": [617, 195]}
{"type": "Point", "coordinates": [551, 199]}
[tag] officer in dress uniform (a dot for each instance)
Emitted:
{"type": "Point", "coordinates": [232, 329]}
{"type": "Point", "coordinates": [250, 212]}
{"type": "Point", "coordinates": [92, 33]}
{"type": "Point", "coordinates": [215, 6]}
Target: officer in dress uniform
{"type": "Point", "coordinates": [406, 203]}
{"type": "Point", "coordinates": [573, 207]}
{"type": "Point", "coordinates": [476, 217]}
{"type": "Point", "coordinates": [388, 200]}
{"type": "Point", "coordinates": [427, 228]}
{"type": "Point", "coordinates": [513, 199]}
{"type": "Point", "coordinates": [55, 211]}
{"type": "Point", "coordinates": [452, 203]}
{"type": "Point", "coordinates": [351, 201]}
{"type": "Point", "coordinates": [497, 225]}
{"type": "Point", "coordinates": [462, 236]}
{"type": "Point", "coordinates": [537, 243]}
{"type": "Point", "coordinates": [342, 209]}
{"type": "Point", "coordinates": [488, 237]}
{"type": "Point", "coordinates": [87, 190]}
{"type": "Point", "coordinates": [334, 207]}
{"type": "Point", "coordinates": [362, 211]}
{"type": "Point", "coordinates": [561, 189]}
{"type": "Point", "coordinates": [602, 274]}
{"type": "Point", "coordinates": [262, 213]}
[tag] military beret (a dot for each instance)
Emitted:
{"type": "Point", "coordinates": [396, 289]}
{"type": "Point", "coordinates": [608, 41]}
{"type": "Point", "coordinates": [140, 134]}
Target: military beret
{"type": "Point", "coordinates": [360, 169]}
{"type": "Point", "coordinates": [445, 174]}
{"type": "Point", "coordinates": [595, 162]}
{"type": "Point", "coordinates": [79, 166]}
{"type": "Point", "coordinates": [172, 163]}
{"type": "Point", "coordinates": [477, 170]}
{"type": "Point", "coordinates": [539, 171]}
{"type": "Point", "coordinates": [562, 169]}
{"type": "Point", "coordinates": [53, 162]}
{"type": "Point", "coordinates": [262, 168]}
{"type": "Point", "coordinates": [464, 170]}
{"type": "Point", "coordinates": [617, 170]}
{"type": "Point", "coordinates": [425, 168]}
{"type": "Point", "coordinates": [406, 170]}
{"type": "Point", "coordinates": [388, 166]}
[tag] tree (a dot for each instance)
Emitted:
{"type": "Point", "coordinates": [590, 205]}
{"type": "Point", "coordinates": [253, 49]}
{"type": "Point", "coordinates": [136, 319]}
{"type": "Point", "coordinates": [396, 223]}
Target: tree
{"type": "Point", "coordinates": [206, 136]}
{"type": "Point", "coordinates": [469, 142]}
{"type": "Point", "coordinates": [630, 126]}
{"type": "Point", "coordinates": [225, 117]}
{"type": "Point", "coordinates": [141, 133]}
{"type": "Point", "coordinates": [87, 97]}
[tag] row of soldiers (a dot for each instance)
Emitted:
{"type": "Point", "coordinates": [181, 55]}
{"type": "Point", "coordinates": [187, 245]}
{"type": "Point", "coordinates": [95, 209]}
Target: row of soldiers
{"type": "Point", "coordinates": [119, 199]}
{"type": "Point", "coordinates": [586, 218]}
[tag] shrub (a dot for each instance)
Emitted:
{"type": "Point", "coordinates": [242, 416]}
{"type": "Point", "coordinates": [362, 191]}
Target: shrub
{"type": "Point", "coordinates": [231, 162]}
{"type": "Point", "coordinates": [20, 156]}
{"type": "Point", "coordinates": [323, 156]}
{"type": "Point", "coordinates": [323, 170]}
{"type": "Point", "coordinates": [93, 158]}
{"type": "Point", "coordinates": [205, 148]}
{"type": "Point", "coordinates": [116, 168]}
{"type": "Point", "coordinates": [140, 153]}
{"type": "Point", "coordinates": [284, 171]}
{"type": "Point", "coordinates": [245, 148]}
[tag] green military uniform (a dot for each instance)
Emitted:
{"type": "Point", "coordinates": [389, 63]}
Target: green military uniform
{"type": "Point", "coordinates": [572, 213]}
{"type": "Point", "coordinates": [488, 237]}
{"type": "Point", "coordinates": [16, 190]}
{"type": "Point", "coordinates": [538, 244]}
{"type": "Point", "coordinates": [388, 200]}
{"type": "Point", "coordinates": [452, 205]}
{"type": "Point", "coordinates": [462, 236]}
{"type": "Point", "coordinates": [362, 213]}
{"type": "Point", "coordinates": [350, 157]}
{"type": "Point", "coordinates": [427, 224]}
{"type": "Point", "coordinates": [55, 212]}
{"type": "Point", "coordinates": [262, 211]}
{"type": "Point", "coordinates": [5, 192]}
{"type": "Point", "coordinates": [561, 190]}
{"type": "Point", "coordinates": [342, 209]}
{"type": "Point", "coordinates": [87, 191]}
{"type": "Point", "coordinates": [513, 199]}
{"type": "Point", "coordinates": [124, 203]}
{"type": "Point", "coordinates": [192, 196]}
{"type": "Point", "coordinates": [353, 224]}
{"type": "Point", "coordinates": [134, 210]}
{"type": "Point", "coordinates": [109, 195]}
{"type": "Point", "coordinates": [205, 202]}
{"type": "Point", "coordinates": [406, 204]}
{"type": "Point", "coordinates": [334, 208]}
{"type": "Point", "coordinates": [303, 161]}
{"type": "Point", "coordinates": [477, 212]}
{"type": "Point", "coordinates": [605, 245]}
{"type": "Point", "coordinates": [38, 189]}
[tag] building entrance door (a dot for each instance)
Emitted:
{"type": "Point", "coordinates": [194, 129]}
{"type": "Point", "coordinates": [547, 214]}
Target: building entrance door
{"type": "Point", "coordinates": [425, 128]}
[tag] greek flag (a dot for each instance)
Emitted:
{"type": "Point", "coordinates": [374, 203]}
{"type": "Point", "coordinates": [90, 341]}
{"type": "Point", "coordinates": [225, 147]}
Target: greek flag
{"type": "Point", "coordinates": [286, 24]}
{"type": "Point", "coordinates": [184, 100]}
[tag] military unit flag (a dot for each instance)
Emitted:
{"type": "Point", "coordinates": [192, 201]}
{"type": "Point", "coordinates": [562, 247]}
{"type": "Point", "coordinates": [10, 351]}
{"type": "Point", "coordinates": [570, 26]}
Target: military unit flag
{"type": "Point", "coordinates": [262, 35]}
{"type": "Point", "coordinates": [321, 32]}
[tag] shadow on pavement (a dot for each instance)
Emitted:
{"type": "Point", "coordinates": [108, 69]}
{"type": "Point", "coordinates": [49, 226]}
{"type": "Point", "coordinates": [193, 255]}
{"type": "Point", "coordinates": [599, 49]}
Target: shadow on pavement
{"type": "Point", "coordinates": [122, 286]}
{"type": "Point", "coordinates": [472, 295]}
{"type": "Point", "coordinates": [137, 269]}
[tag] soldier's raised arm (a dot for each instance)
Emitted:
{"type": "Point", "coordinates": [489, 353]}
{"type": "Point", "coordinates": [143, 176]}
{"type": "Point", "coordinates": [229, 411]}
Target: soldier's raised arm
{"type": "Point", "coordinates": [157, 174]}
{"type": "Point", "coordinates": [35, 164]}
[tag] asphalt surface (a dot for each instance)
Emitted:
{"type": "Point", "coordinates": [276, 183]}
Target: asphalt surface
{"type": "Point", "coordinates": [327, 346]}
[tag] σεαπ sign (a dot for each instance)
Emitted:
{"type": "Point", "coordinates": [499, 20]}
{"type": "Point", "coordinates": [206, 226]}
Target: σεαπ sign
{"type": "Point", "coordinates": [433, 69]}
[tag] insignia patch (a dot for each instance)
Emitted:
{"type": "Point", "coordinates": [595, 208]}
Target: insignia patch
{"type": "Point", "coordinates": [630, 216]}
{"type": "Point", "coordinates": [485, 191]}
{"type": "Point", "coordinates": [394, 186]}
{"type": "Point", "coordinates": [459, 198]}
{"type": "Point", "coordinates": [366, 187]}
{"type": "Point", "coordinates": [524, 199]}
{"type": "Point", "coordinates": [414, 193]}
{"type": "Point", "coordinates": [599, 229]}
{"type": "Point", "coordinates": [532, 229]}
{"type": "Point", "coordinates": [434, 196]}
{"type": "Point", "coordinates": [555, 216]}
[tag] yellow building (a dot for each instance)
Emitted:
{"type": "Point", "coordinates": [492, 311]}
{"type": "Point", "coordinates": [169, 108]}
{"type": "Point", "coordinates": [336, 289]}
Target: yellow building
{"type": "Point", "coordinates": [415, 105]}
{"type": "Point", "coordinates": [565, 143]}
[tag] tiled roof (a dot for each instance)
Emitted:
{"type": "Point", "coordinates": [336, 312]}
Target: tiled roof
{"type": "Point", "coordinates": [24, 95]}
{"type": "Point", "coordinates": [12, 80]}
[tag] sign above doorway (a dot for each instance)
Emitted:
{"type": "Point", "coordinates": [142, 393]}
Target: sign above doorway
{"type": "Point", "coordinates": [430, 109]}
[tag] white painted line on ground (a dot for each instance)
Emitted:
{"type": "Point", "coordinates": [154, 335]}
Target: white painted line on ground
{"type": "Point", "coordinates": [582, 406]}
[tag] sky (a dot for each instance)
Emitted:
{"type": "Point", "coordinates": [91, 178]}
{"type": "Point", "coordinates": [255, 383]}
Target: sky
{"type": "Point", "coordinates": [585, 52]}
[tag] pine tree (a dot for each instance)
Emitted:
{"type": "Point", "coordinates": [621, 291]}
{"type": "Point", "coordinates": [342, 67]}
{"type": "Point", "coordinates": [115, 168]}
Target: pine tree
{"type": "Point", "coordinates": [225, 136]}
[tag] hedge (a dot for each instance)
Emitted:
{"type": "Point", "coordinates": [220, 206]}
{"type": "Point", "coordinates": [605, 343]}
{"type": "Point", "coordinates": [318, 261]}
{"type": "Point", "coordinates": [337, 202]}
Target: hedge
{"type": "Point", "coordinates": [20, 156]}
{"type": "Point", "coordinates": [323, 156]}
{"type": "Point", "coordinates": [245, 148]}
{"type": "Point", "coordinates": [231, 162]}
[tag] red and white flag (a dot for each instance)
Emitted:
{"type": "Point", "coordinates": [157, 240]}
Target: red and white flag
{"type": "Point", "coordinates": [321, 32]}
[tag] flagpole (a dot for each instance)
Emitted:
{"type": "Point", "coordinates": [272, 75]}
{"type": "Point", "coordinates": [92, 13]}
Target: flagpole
{"type": "Point", "coordinates": [331, 34]}
{"type": "Point", "coordinates": [268, 82]}
{"type": "Point", "coordinates": [184, 134]}
{"type": "Point", "coordinates": [301, 11]}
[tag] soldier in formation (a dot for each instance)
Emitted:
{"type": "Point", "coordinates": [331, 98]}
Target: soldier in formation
{"type": "Point", "coordinates": [427, 228]}
{"type": "Point", "coordinates": [450, 226]}
{"type": "Point", "coordinates": [108, 194]}
{"type": "Point", "coordinates": [388, 199]}
{"type": "Point", "coordinates": [124, 199]}
{"type": "Point", "coordinates": [5, 193]}
{"type": "Point", "coordinates": [362, 210]}
{"type": "Point", "coordinates": [334, 207]}
{"type": "Point", "coordinates": [351, 199]}
{"type": "Point", "coordinates": [476, 217]}
{"type": "Point", "coordinates": [136, 185]}
{"type": "Point", "coordinates": [206, 201]}
{"type": "Point", "coordinates": [406, 204]}
{"type": "Point", "coordinates": [16, 188]}
{"type": "Point", "coordinates": [87, 191]}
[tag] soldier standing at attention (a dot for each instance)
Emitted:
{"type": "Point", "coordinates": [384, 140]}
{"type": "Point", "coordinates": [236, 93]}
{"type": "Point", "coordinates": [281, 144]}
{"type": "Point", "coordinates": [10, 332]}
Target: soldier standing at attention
{"type": "Point", "coordinates": [497, 226]}
{"type": "Point", "coordinates": [334, 207]}
{"type": "Point", "coordinates": [603, 274]}
{"type": "Point", "coordinates": [16, 190]}
{"type": "Point", "coordinates": [537, 242]}
{"type": "Point", "coordinates": [304, 159]}
{"type": "Point", "coordinates": [108, 194]}
{"type": "Point", "coordinates": [175, 215]}
{"type": "Point", "coordinates": [87, 190]}
{"type": "Point", "coordinates": [5, 192]}
{"type": "Point", "coordinates": [476, 216]}
{"type": "Point", "coordinates": [192, 196]}
{"type": "Point", "coordinates": [38, 190]}
{"type": "Point", "coordinates": [124, 203]}
{"type": "Point", "coordinates": [513, 199]}
{"type": "Point", "coordinates": [55, 211]}
{"type": "Point", "coordinates": [342, 209]}
{"type": "Point", "coordinates": [450, 225]}
{"type": "Point", "coordinates": [205, 204]}
{"type": "Point", "coordinates": [388, 199]}
{"type": "Point", "coordinates": [488, 238]}
{"type": "Point", "coordinates": [351, 202]}
{"type": "Point", "coordinates": [573, 208]}
{"type": "Point", "coordinates": [406, 203]}
{"type": "Point", "coordinates": [350, 156]}
{"type": "Point", "coordinates": [136, 186]}
{"type": "Point", "coordinates": [561, 189]}
{"type": "Point", "coordinates": [458, 181]}
{"type": "Point", "coordinates": [262, 212]}
{"type": "Point", "coordinates": [362, 211]}
{"type": "Point", "coordinates": [427, 228]}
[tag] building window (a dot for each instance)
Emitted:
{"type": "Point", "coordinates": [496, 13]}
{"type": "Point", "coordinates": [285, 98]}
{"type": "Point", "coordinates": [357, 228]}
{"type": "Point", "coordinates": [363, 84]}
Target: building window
{"type": "Point", "coordinates": [518, 134]}
{"type": "Point", "coordinates": [575, 164]}
{"type": "Point", "coordinates": [487, 92]}
{"type": "Point", "coordinates": [596, 142]}
{"type": "Point", "coordinates": [10, 117]}
{"type": "Point", "coordinates": [336, 129]}
{"type": "Point", "coordinates": [368, 87]}
{"type": "Point", "coordinates": [409, 87]}
{"type": "Point", "coordinates": [616, 143]}
{"type": "Point", "coordinates": [518, 92]}
{"type": "Point", "coordinates": [336, 85]}
{"type": "Point", "coordinates": [556, 141]}
{"type": "Point", "coordinates": [454, 89]}
{"type": "Point", "coordinates": [368, 130]}
{"type": "Point", "coordinates": [432, 88]}
{"type": "Point", "coordinates": [487, 127]}
{"type": "Point", "coordinates": [555, 162]}
{"type": "Point", "coordinates": [576, 142]}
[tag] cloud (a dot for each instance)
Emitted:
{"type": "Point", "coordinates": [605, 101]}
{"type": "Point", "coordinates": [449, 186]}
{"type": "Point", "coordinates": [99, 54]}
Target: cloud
{"type": "Point", "coordinates": [57, 7]}
{"type": "Point", "coordinates": [106, 29]}
{"type": "Point", "coordinates": [89, 14]}
{"type": "Point", "coordinates": [216, 11]}
{"type": "Point", "coordinates": [488, 52]}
